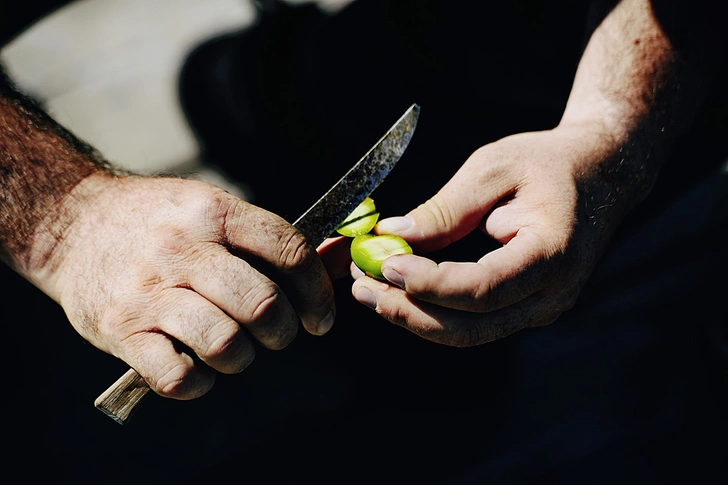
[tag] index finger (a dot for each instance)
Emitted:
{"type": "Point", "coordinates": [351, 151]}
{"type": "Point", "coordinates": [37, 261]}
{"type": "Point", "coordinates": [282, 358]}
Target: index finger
{"type": "Point", "coordinates": [501, 278]}
{"type": "Point", "coordinates": [447, 326]}
{"type": "Point", "coordinates": [278, 250]}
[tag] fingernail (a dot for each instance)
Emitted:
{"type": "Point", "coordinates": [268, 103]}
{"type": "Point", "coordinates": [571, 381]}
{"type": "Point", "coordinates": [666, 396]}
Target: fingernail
{"type": "Point", "coordinates": [394, 224]}
{"type": "Point", "coordinates": [366, 297]}
{"type": "Point", "coordinates": [326, 324]}
{"type": "Point", "coordinates": [393, 277]}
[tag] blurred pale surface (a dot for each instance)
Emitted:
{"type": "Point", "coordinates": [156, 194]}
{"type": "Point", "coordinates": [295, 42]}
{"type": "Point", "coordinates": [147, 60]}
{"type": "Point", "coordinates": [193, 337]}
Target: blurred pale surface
{"type": "Point", "coordinates": [107, 70]}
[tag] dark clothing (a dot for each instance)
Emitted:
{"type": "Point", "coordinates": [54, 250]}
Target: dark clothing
{"type": "Point", "coordinates": [630, 386]}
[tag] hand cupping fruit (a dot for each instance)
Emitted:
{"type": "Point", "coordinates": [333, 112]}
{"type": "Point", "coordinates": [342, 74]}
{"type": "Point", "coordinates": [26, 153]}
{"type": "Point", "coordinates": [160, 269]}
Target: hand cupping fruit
{"type": "Point", "coordinates": [369, 250]}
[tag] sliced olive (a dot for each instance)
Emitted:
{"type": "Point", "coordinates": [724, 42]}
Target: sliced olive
{"type": "Point", "coordinates": [361, 221]}
{"type": "Point", "coordinates": [368, 251]}
{"type": "Point", "coordinates": [359, 226]}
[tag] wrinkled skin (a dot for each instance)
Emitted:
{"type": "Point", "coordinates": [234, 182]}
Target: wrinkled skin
{"type": "Point", "coordinates": [527, 192]}
{"type": "Point", "coordinates": [552, 199]}
{"type": "Point", "coordinates": [182, 280]}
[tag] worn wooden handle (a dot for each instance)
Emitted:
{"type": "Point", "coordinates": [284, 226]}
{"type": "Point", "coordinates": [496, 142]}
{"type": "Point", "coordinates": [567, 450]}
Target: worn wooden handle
{"type": "Point", "coordinates": [119, 401]}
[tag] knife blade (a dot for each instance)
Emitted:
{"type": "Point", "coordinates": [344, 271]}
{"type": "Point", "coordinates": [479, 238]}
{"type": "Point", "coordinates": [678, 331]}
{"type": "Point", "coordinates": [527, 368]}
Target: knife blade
{"type": "Point", "coordinates": [324, 216]}
{"type": "Point", "coordinates": [320, 221]}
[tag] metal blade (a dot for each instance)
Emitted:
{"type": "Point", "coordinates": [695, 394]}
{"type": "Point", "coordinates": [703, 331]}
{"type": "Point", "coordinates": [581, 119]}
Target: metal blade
{"type": "Point", "coordinates": [322, 218]}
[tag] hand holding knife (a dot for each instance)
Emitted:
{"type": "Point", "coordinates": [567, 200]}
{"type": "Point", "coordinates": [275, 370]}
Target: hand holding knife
{"type": "Point", "coordinates": [317, 223]}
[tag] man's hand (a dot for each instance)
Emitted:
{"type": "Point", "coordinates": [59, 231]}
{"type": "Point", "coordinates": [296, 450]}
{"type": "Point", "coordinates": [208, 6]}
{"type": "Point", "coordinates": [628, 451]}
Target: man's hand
{"type": "Point", "coordinates": [532, 193]}
{"type": "Point", "coordinates": [180, 279]}
{"type": "Point", "coordinates": [553, 199]}
{"type": "Point", "coordinates": [176, 277]}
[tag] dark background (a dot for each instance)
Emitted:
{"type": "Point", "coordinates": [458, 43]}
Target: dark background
{"type": "Point", "coordinates": [627, 387]}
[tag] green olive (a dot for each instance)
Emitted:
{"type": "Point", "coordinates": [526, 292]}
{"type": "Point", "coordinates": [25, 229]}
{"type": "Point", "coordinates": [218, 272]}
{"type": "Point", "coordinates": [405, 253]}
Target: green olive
{"type": "Point", "coordinates": [368, 251]}
{"type": "Point", "coordinates": [361, 221]}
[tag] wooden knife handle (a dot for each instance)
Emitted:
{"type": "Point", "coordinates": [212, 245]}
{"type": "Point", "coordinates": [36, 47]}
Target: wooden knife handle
{"type": "Point", "coordinates": [120, 400]}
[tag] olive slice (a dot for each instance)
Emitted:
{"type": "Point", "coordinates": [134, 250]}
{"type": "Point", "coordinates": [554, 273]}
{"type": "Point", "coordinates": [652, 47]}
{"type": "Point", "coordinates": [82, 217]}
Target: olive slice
{"type": "Point", "coordinates": [361, 221]}
{"type": "Point", "coordinates": [359, 226]}
{"type": "Point", "coordinates": [368, 251]}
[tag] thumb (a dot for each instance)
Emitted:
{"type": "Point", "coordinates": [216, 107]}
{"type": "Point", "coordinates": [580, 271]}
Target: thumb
{"type": "Point", "coordinates": [445, 218]}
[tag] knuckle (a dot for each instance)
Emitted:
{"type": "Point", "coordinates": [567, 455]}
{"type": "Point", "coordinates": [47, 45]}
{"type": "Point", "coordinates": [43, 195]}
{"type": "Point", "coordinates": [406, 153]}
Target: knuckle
{"type": "Point", "coordinates": [181, 381]}
{"type": "Point", "coordinates": [263, 300]}
{"type": "Point", "coordinates": [174, 242]}
{"type": "Point", "coordinates": [229, 351]}
{"type": "Point", "coordinates": [227, 340]}
{"type": "Point", "coordinates": [436, 212]}
{"type": "Point", "coordinates": [220, 204]}
{"type": "Point", "coordinates": [273, 327]}
{"type": "Point", "coordinates": [124, 329]}
{"type": "Point", "coordinates": [296, 254]}
{"type": "Point", "coordinates": [171, 381]}
{"type": "Point", "coordinates": [228, 212]}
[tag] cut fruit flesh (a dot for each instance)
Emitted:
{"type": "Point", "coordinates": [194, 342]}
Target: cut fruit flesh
{"type": "Point", "coordinates": [368, 251]}
{"type": "Point", "coordinates": [361, 221]}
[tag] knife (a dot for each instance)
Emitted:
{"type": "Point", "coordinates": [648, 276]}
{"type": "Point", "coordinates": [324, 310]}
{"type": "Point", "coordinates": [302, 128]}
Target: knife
{"type": "Point", "coordinates": [320, 221]}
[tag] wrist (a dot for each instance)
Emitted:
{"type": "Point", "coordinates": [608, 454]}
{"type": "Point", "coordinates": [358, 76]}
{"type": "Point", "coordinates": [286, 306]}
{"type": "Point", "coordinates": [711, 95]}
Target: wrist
{"type": "Point", "coordinates": [58, 234]}
{"type": "Point", "coordinates": [613, 172]}
{"type": "Point", "coordinates": [42, 170]}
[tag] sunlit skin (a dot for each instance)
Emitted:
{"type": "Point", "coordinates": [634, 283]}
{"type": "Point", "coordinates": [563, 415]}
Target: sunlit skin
{"type": "Point", "coordinates": [181, 280]}
{"type": "Point", "coordinates": [552, 199]}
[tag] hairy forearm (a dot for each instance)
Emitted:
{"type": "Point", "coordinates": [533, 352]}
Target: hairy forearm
{"type": "Point", "coordinates": [40, 165]}
{"type": "Point", "coordinates": [641, 88]}
{"type": "Point", "coordinates": [627, 68]}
